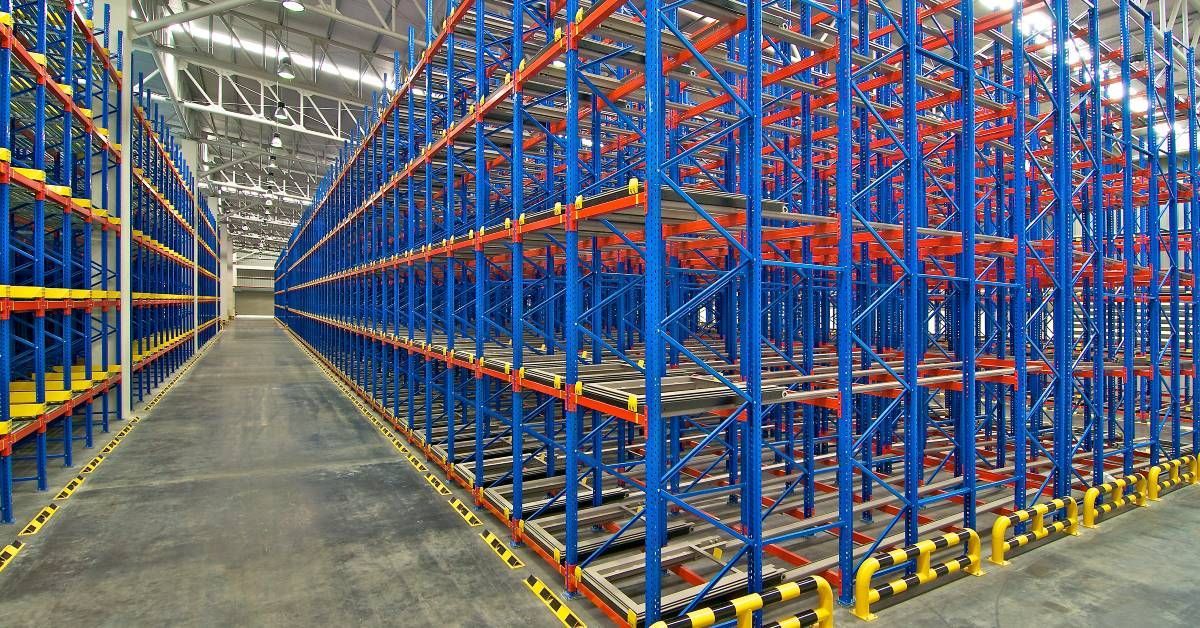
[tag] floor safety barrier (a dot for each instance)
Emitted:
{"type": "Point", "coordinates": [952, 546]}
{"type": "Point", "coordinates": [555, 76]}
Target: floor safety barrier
{"type": "Point", "coordinates": [743, 608]}
{"type": "Point", "coordinates": [1175, 476]}
{"type": "Point", "coordinates": [1069, 524]}
{"type": "Point", "coordinates": [1118, 497]}
{"type": "Point", "coordinates": [922, 552]}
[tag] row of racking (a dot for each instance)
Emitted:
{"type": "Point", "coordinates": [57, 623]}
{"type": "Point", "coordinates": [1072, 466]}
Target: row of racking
{"type": "Point", "coordinates": [59, 224]}
{"type": "Point", "coordinates": [701, 297]}
{"type": "Point", "coordinates": [62, 211]}
{"type": "Point", "coordinates": [174, 255]}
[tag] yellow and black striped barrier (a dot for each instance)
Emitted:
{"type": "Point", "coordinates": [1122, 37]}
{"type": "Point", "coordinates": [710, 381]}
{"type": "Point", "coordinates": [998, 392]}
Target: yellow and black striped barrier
{"type": "Point", "coordinates": [865, 595]}
{"type": "Point", "coordinates": [437, 484]}
{"type": "Point", "coordinates": [465, 512]}
{"type": "Point", "coordinates": [39, 520]}
{"type": "Point", "coordinates": [1118, 494]}
{"type": "Point", "coordinates": [1176, 476]}
{"type": "Point", "coordinates": [1037, 529]}
{"type": "Point", "coordinates": [9, 552]}
{"type": "Point", "coordinates": [91, 465]}
{"type": "Point", "coordinates": [556, 606]}
{"type": "Point", "coordinates": [70, 488]}
{"type": "Point", "coordinates": [743, 608]}
{"type": "Point", "coordinates": [502, 550]}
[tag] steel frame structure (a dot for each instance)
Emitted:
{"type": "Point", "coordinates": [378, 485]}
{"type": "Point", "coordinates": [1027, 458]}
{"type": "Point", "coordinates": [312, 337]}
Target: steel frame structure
{"type": "Point", "coordinates": [698, 297]}
{"type": "Point", "coordinates": [176, 269]}
{"type": "Point", "coordinates": [59, 217]}
{"type": "Point", "coordinates": [61, 212]}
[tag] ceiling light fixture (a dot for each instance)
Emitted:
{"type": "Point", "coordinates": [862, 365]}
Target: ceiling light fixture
{"type": "Point", "coordinates": [276, 141]}
{"type": "Point", "coordinates": [295, 6]}
{"type": "Point", "coordinates": [284, 69]}
{"type": "Point", "coordinates": [281, 111]}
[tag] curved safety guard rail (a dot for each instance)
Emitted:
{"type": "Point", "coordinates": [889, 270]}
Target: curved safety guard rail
{"type": "Point", "coordinates": [743, 608]}
{"type": "Point", "coordinates": [865, 595]}
{"type": "Point", "coordinates": [1038, 529]}
{"type": "Point", "coordinates": [1175, 476]}
{"type": "Point", "coordinates": [1119, 497]}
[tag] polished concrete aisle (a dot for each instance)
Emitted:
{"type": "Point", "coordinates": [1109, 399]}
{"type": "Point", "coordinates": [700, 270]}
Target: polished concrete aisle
{"type": "Point", "coordinates": [255, 494]}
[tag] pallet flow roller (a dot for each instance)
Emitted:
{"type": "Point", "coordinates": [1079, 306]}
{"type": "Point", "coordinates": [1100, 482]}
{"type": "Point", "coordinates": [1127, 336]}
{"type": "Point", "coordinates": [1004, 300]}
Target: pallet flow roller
{"type": "Point", "coordinates": [701, 298]}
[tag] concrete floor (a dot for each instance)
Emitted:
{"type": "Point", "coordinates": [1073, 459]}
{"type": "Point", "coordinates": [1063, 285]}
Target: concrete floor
{"type": "Point", "coordinates": [256, 494]}
{"type": "Point", "coordinates": [1134, 570]}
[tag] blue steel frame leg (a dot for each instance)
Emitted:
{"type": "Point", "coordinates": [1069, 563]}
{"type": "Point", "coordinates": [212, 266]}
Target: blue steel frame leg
{"type": "Point", "coordinates": [1194, 224]}
{"type": "Point", "coordinates": [517, 162]}
{"type": "Point", "coordinates": [1098, 217]}
{"type": "Point", "coordinates": [654, 277]}
{"type": "Point", "coordinates": [573, 302]}
{"type": "Point", "coordinates": [1128, 239]}
{"type": "Point", "coordinates": [1063, 254]}
{"type": "Point", "coordinates": [482, 203]}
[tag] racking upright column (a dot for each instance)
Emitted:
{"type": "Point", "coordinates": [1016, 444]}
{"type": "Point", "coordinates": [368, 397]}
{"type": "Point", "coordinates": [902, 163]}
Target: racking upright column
{"type": "Point", "coordinates": [916, 410]}
{"type": "Point", "coordinates": [1096, 218]}
{"type": "Point", "coordinates": [410, 238]}
{"type": "Point", "coordinates": [1128, 240]}
{"type": "Point", "coordinates": [573, 298]}
{"type": "Point", "coordinates": [6, 323]}
{"type": "Point", "coordinates": [450, 196]}
{"type": "Point", "coordinates": [517, 320]}
{"type": "Point", "coordinates": [1017, 298]}
{"type": "Point", "coordinates": [843, 204]}
{"type": "Point", "coordinates": [1151, 223]}
{"type": "Point", "coordinates": [966, 424]}
{"type": "Point", "coordinates": [654, 346]}
{"type": "Point", "coordinates": [1192, 223]}
{"type": "Point", "coordinates": [482, 205]}
{"type": "Point", "coordinates": [1173, 350]}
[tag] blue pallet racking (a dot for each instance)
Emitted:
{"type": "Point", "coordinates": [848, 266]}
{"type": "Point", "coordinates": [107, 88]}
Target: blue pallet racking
{"type": "Point", "coordinates": [59, 222]}
{"type": "Point", "coordinates": [62, 207]}
{"type": "Point", "coordinates": [175, 255]}
{"type": "Point", "coordinates": [701, 297]}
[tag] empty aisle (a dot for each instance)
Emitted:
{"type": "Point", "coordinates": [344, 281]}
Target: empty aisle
{"type": "Point", "coordinates": [256, 494]}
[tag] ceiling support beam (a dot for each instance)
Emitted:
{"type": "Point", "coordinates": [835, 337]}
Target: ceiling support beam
{"type": "Point", "coordinates": [231, 164]}
{"type": "Point", "coordinates": [338, 17]}
{"type": "Point", "coordinates": [202, 59]}
{"type": "Point", "coordinates": [221, 111]}
{"type": "Point", "coordinates": [320, 165]}
{"type": "Point", "coordinates": [159, 23]}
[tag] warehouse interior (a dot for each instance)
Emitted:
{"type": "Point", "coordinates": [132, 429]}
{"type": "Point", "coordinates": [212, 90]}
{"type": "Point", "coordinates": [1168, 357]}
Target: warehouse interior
{"type": "Point", "coordinates": [599, 312]}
